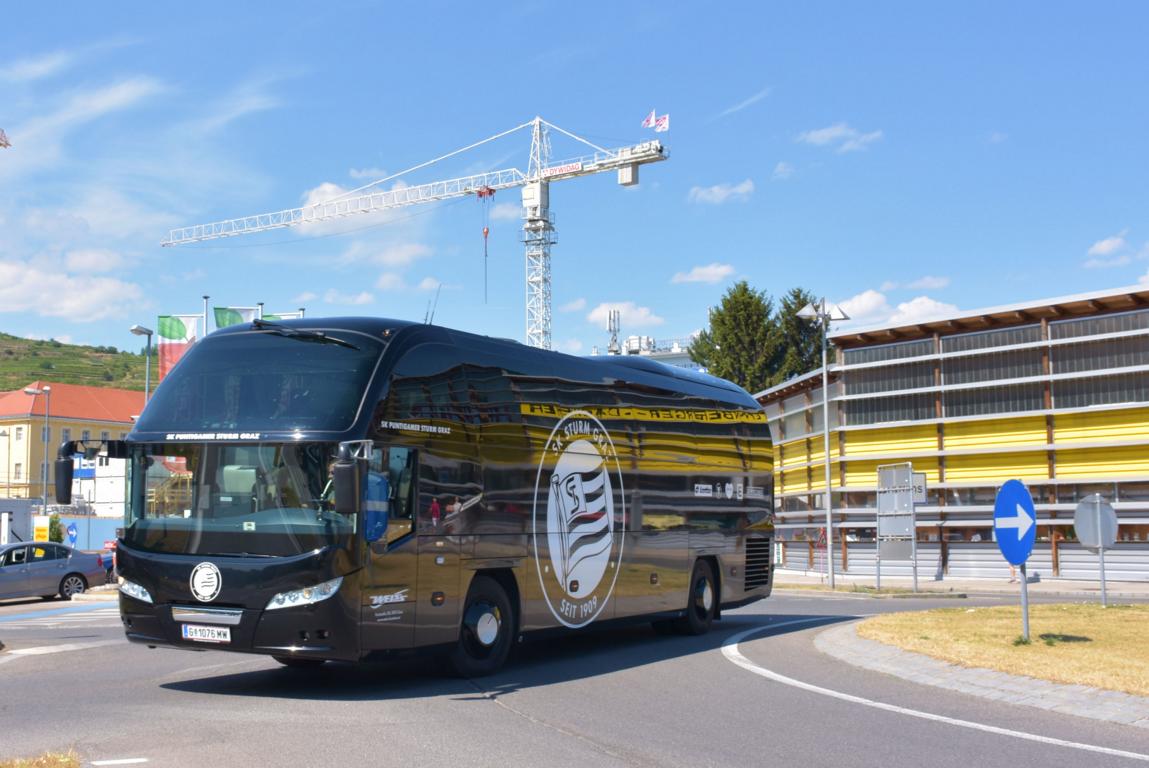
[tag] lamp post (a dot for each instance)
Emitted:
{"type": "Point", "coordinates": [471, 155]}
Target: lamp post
{"type": "Point", "coordinates": [46, 391]}
{"type": "Point", "coordinates": [823, 314]}
{"type": "Point", "coordinates": [7, 464]}
{"type": "Point", "coordinates": [140, 330]}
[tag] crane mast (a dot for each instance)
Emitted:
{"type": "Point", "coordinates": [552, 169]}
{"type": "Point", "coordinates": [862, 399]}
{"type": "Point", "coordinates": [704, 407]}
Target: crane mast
{"type": "Point", "coordinates": [538, 222]}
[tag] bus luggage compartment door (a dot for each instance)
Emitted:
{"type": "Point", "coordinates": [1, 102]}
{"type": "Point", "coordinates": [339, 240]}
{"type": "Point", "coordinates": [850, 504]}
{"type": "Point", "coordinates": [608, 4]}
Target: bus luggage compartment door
{"type": "Point", "coordinates": [438, 603]}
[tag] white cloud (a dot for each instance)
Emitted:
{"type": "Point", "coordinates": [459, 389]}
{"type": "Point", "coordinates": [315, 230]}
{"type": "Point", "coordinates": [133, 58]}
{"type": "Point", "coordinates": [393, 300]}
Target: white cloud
{"type": "Point", "coordinates": [430, 284]}
{"type": "Point", "coordinates": [506, 212]}
{"type": "Point", "coordinates": [921, 309]}
{"type": "Point", "coordinates": [929, 283]}
{"type": "Point", "coordinates": [89, 260]}
{"type": "Point", "coordinates": [332, 296]}
{"type": "Point", "coordinates": [27, 70]}
{"type": "Point", "coordinates": [1144, 279]}
{"type": "Point", "coordinates": [390, 281]}
{"type": "Point", "coordinates": [782, 171]}
{"type": "Point", "coordinates": [889, 285]}
{"type": "Point", "coordinates": [52, 293]}
{"type": "Point", "coordinates": [574, 306]}
{"type": "Point", "coordinates": [571, 346]}
{"type": "Point", "coordinates": [304, 297]}
{"type": "Point", "coordinates": [868, 306]}
{"type": "Point", "coordinates": [372, 174]}
{"type": "Point", "coordinates": [395, 255]}
{"type": "Point", "coordinates": [1117, 261]}
{"type": "Point", "coordinates": [1109, 245]}
{"type": "Point", "coordinates": [245, 99]}
{"type": "Point", "coordinates": [743, 104]}
{"type": "Point", "coordinates": [711, 273]}
{"type": "Point", "coordinates": [841, 136]}
{"type": "Point", "coordinates": [721, 193]}
{"type": "Point", "coordinates": [630, 315]}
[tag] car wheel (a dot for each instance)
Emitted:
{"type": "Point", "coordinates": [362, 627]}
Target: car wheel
{"type": "Point", "coordinates": [701, 602]}
{"type": "Point", "coordinates": [71, 585]}
{"type": "Point", "coordinates": [295, 662]}
{"type": "Point", "coordinates": [486, 631]}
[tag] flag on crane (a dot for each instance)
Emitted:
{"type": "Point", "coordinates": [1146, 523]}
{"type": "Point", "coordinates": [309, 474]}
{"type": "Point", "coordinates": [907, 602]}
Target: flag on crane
{"type": "Point", "coordinates": [296, 315]}
{"type": "Point", "coordinates": [176, 334]}
{"type": "Point", "coordinates": [650, 120]}
{"type": "Point", "coordinates": [662, 124]}
{"type": "Point", "coordinates": [4, 139]}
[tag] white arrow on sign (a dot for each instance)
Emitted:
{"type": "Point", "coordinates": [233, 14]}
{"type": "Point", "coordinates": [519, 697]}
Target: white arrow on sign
{"type": "Point", "coordinates": [1022, 522]}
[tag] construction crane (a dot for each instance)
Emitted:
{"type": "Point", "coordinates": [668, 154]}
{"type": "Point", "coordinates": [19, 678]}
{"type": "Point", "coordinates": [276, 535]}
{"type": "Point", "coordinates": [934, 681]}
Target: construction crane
{"type": "Point", "coordinates": [538, 223]}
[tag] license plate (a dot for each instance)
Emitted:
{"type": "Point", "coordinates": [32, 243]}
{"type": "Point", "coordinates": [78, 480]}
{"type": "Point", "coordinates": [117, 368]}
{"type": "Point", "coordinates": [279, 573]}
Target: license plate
{"type": "Point", "coordinates": [202, 634]}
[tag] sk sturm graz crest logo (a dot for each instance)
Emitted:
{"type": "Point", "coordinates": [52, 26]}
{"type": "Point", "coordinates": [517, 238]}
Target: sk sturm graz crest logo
{"type": "Point", "coordinates": [205, 582]}
{"type": "Point", "coordinates": [581, 524]}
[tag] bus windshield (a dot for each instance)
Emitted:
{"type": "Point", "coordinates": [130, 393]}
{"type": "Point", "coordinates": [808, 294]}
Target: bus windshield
{"type": "Point", "coordinates": [269, 499]}
{"type": "Point", "coordinates": [271, 380]}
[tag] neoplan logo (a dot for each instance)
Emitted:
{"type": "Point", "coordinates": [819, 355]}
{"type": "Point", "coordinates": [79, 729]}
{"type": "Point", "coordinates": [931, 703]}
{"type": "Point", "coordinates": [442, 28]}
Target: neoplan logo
{"type": "Point", "coordinates": [578, 519]}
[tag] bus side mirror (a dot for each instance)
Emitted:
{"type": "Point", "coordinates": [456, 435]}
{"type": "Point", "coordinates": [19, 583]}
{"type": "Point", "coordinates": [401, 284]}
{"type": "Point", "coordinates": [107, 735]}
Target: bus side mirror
{"type": "Point", "coordinates": [347, 486]}
{"type": "Point", "coordinates": [64, 472]}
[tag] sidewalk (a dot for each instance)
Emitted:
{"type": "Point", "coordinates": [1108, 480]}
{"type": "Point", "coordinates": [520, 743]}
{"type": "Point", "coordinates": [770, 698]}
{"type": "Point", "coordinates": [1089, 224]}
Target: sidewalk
{"type": "Point", "coordinates": [102, 593]}
{"type": "Point", "coordinates": [1081, 590]}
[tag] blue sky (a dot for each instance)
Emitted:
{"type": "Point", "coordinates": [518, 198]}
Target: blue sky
{"type": "Point", "coordinates": [903, 159]}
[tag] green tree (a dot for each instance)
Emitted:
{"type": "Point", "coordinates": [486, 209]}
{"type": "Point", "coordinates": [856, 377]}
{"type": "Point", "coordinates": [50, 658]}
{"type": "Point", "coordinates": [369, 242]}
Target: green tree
{"type": "Point", "coordinates": [800, 340]}
{"type": "Point", "coordinates": [55, 532]}
{"type": "Point", "coordinates": [741, 343]}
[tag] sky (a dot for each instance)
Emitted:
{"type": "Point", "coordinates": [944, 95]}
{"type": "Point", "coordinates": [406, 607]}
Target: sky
{"type": "Point", "coordinates": [904, 160]}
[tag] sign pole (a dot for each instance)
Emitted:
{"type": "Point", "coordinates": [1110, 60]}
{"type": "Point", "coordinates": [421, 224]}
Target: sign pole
{"type": "Point", "coordinates": [878, 560]}
{"type": "Point", "coordinates": [1100, 550]}
{"type": "Point", "coordinates": [1024, 604]}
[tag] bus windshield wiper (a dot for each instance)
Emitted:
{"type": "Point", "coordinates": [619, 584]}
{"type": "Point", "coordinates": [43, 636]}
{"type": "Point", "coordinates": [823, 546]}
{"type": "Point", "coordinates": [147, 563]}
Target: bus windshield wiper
{"type": "Point", "coordinates": [294, 333]}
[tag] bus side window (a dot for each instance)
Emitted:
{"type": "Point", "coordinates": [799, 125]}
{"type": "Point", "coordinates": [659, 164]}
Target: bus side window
{"type": "Point", "coordinates": [401, 469]}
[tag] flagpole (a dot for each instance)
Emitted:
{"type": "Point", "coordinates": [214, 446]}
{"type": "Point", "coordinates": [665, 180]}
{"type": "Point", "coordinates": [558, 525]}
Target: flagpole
{"type": "Point", "coordinates": [259, 310]}
{"type": "Point", "coordinates": [205, 298]}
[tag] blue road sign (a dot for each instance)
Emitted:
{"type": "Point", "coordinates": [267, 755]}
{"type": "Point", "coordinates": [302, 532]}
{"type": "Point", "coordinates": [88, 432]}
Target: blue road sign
{"type": "Point", "coordinates": [1014, 522]}
{"type": "Point", "coordinates": [73, 532]}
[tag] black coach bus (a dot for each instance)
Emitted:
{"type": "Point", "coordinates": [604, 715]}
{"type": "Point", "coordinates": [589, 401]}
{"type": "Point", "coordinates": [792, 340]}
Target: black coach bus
{"type": "Point", "coordinates": [345, 488]}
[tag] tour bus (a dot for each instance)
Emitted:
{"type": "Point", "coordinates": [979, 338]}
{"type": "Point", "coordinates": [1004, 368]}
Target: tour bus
{"type": "Point", "coordinates": [348, 488]}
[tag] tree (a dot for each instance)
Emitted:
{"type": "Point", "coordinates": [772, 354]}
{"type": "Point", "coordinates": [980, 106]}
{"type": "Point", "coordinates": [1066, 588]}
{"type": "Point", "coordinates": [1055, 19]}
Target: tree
{"type": "Point", "coordinates": [741, 343]}
{"type": "Point", "coordinates": [800, 340]}
{"type": "Point", "coordinates": [55, 532]}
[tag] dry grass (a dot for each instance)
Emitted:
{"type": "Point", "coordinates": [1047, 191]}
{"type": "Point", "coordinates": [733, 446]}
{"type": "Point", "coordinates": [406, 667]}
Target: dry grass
{"type": "Point", "coordinates": [1069, 643]}
{"type": "Point", "coordinates": [67, 759]}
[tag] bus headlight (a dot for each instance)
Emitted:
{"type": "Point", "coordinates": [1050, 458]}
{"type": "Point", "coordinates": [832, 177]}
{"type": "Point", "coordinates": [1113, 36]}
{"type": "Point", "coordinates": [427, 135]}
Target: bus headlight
{"type": "Point", "coordinates": [132, 589]}
{"type": "Point", "coordinates": [305, 596]}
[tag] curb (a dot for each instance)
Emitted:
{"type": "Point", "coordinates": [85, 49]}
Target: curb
{"type": "Point", "coordinates": [103, 593]}
{"type": "Point", "coordinates": [842, 643]}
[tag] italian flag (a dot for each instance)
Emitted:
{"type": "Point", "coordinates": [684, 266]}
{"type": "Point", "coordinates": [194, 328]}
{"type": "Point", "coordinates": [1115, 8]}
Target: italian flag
{"type": "Point", "coordinates": [176, 333]}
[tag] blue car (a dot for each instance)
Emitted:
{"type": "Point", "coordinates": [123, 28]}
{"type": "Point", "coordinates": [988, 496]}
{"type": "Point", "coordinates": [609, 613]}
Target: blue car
{"type": "Point", "coordinates": [46, 569]}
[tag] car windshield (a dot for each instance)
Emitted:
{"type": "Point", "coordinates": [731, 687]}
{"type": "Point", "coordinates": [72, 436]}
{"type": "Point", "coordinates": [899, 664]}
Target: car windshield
{"type": "Point", "coordinates": [277, 379]}
{"type": "Point", "coordinates": [263, 499]}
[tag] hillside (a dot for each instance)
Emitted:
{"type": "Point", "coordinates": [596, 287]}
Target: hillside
{"type": "Point", "coordinates": [26, 360]}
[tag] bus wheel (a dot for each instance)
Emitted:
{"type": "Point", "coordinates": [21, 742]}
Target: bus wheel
{"type": "Point", "coordinates": [702, 602]}
{"type": "Point", "coordinates": [486, 632]}
{"type": "Point", "coordinates": [295, 662]}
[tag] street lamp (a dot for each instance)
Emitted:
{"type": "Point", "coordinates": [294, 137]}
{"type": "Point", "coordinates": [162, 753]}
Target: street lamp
{"type": "Point", "coordinates": [140, 330]}
{"type": "Point", "coordinates": [823, 314]}
{"type": "Point", "coordinates": [7, 465]}
{"type": "Point", "coordinates": [46, 391]}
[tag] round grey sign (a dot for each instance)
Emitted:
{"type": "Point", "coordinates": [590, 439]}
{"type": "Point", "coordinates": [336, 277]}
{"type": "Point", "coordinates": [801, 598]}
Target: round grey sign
{"type": "Point", "coordinates": [1095, 523]}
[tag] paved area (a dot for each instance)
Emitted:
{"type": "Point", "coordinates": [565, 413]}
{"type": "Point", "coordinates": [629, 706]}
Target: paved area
{"type": "Point", "coordinates": [843, 643]}
{"type": "Point", "coordinates": [1088, 590]}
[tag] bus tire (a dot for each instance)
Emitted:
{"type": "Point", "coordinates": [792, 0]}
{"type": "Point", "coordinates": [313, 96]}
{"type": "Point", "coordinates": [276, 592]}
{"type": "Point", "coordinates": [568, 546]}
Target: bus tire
{"type": "Point", "coordinates": [701, 601]}
{"type": "Point", "coordinates": [486, 631]}
{"type": "Point", "coordinates": [295, 662]}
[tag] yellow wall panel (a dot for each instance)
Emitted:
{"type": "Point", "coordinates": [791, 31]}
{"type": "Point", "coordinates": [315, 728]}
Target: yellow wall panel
{"type": "Point", "coordinates": [793, 481]}
{"type": "Point", "coordinates": [996, 467]}
{"type": "Point", "coordinates": [995, 433]}
{"type": "Point", "coordinates": [915, 439]}
{"type": "Point", "coordinates": [1102, 426]}
{"type": "Point", "coordinates": [1102, 462]}
{"type": "Point", "coordinates": [863, 472]}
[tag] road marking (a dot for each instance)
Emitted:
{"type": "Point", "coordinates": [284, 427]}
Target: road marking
{"type": "Point", "coordinates": [731, 652]}
{"type": "Point", "coordinates": [104, 617]}
{"type": "Point", "coordinates": [121, 761]}
{"type": "Point", "coordinates": [57, 611]}
{"type": "Point", "coordinates": [43, 650]}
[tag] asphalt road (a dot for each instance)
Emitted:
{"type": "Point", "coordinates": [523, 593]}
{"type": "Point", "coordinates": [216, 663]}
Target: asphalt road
{"type": "Point", "coordinates": [616, 697]}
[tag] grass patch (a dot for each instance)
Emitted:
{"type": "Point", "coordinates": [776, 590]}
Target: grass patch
{"type": "Point", "coordinates": [1081, 644]}
{"type": "Point", "coordinates": [67, 759]}
{"type": "Point", "coordinates": [862, 589]}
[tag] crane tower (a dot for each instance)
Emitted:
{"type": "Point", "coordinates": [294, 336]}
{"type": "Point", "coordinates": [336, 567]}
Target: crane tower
{"type": "Point", "coordinates": [538, 222]}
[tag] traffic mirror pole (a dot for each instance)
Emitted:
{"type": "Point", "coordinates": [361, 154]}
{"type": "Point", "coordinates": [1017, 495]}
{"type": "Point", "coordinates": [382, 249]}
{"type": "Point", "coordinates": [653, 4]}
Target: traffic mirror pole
{"type": "Point", "coordinates": [1100, 550]}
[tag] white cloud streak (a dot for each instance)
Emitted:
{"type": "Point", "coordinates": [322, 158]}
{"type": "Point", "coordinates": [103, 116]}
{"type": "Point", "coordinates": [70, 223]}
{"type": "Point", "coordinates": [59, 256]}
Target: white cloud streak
{"type": "Point", "coordinates": [1109, 245]}
{"type": "Point", "coordinates": [840, 136]}
{"type": "Point", "coordinates": [51, 293]}
{"type": "Point", "coordinates": [743, 104]}
{"type": "Point", "coordinates": [27, 70]}
{"type": "Point", "coordinates": [577, 305]}
{"type": "Point", "coordinates": [710, 273]}
{"type": "Point", "coordinates": [333, 296]}
{"type": "Point", "coordinates": [782, 171]}
{"type": "Point", "coordinates": [722, 193]}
